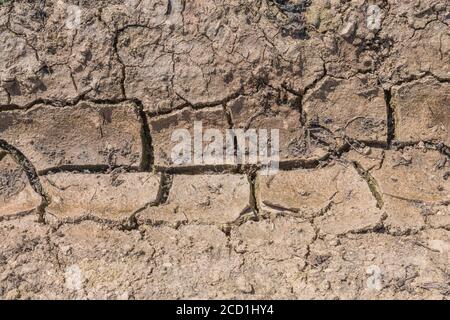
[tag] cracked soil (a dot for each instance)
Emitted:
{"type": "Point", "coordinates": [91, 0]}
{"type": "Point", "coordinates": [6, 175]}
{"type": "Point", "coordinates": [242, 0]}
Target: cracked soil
{"type": "Point", "coordinates": [92, 207]}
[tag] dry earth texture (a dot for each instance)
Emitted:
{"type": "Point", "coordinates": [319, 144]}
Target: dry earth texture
{"type": "Point", "coordinates": [91, 205]}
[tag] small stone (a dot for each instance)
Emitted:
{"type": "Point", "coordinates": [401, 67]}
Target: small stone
{"type": "Point", "coordinates": [348, 30]}
{"type": "Point", "coordinates": [335, 242]}
{"type": "Point", "coordinates": [367, 151]}
{"type": "Point", "coordinates": [243, 285]}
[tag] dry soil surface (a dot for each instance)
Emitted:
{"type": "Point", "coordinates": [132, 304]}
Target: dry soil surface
{"type": "Point", "coordinates": [92, 206]}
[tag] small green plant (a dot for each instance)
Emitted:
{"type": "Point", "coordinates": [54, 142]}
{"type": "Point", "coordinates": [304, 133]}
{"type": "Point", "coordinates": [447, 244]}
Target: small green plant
{"type": "Point", "coordinates": [2, 2]}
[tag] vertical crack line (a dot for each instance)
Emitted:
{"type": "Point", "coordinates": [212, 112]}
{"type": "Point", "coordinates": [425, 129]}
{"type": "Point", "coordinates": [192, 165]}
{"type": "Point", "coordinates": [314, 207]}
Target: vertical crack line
{"type": "Point", "coordinates": [123, 68]}
{"type": "Point", "coordinates": [298, 101]}
{"type": "Point", "coordinates": [169, 7]}
{"type": "Point", "coordinates": [390, 118]}
{"type": "Point", "coordinates": [165, 184]}
{"type": "Point", "coordinates": [445, 150]}
{"type": "Point", "coordinates": [371, 182]}
{"type": "Point", "coordinates": [303, 117]}
{"type": "Point", "coordinates": [164, 189]}
{"type": "Point", "coordinates": [231, 127]}
{"type": "Point", "coordinates": [147, 159]}
{"type": "Point", "coordinates": [41, 11]}
{"type": "Point", "coordinates": [31, 174]}
{"type": "Point", "coordinates": [253, 181]}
